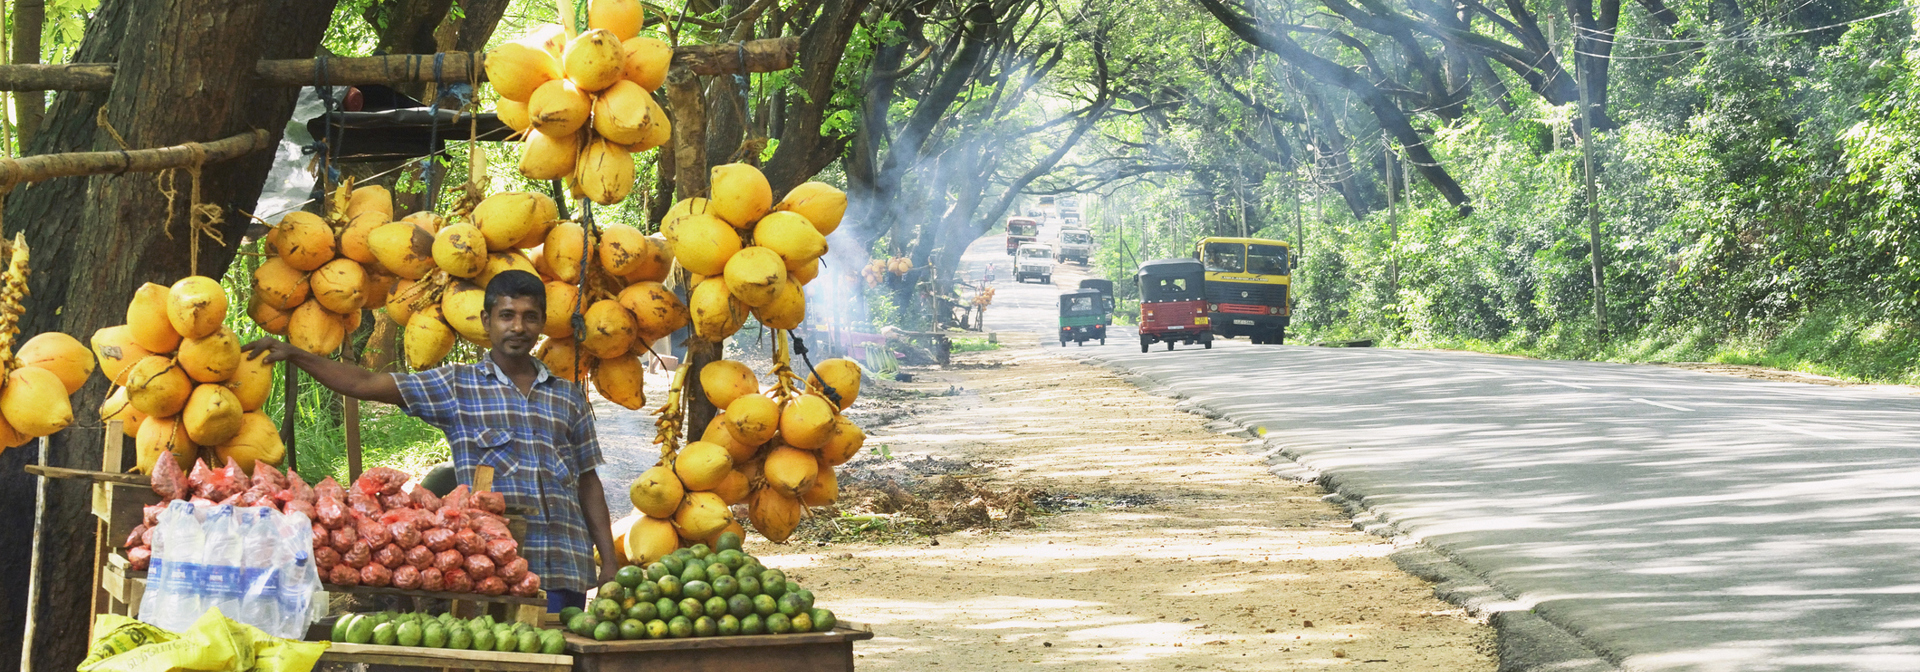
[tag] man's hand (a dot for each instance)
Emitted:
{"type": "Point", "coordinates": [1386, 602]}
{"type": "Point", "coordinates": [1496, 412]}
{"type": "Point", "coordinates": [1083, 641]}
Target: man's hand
{"type": "Point", "coordinates": [340, 377]}
{"type": "Point", "coordinates": [608, 568]}
{"type": "Point", "coordinates": [275, 350]}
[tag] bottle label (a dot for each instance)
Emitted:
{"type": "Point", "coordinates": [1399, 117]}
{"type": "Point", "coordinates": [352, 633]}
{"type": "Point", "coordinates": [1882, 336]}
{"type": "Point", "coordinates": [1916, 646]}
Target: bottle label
{"type": "Point", "coordinates": [222, 582]}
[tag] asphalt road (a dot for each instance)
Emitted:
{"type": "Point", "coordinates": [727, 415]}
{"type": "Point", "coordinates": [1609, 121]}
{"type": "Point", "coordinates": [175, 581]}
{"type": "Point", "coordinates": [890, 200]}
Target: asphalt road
{"type": "Point", "coordinates": [1668, 519]}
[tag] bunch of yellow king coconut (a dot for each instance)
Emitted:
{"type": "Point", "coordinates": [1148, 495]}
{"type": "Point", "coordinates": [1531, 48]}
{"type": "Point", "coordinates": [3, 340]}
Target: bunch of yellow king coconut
{"type": "Point", "coordinates": [749, 254]}
{"type": "Point", "coordinates": [38, 381]}
{"type": "Point", "coordinates": [322, 271]}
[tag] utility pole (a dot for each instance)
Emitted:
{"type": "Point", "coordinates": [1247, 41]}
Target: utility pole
{"type": "Point", "coordinates": [1593, 201]}
{"type": "Point", "coordinates": [1393, 226]}
{"type": "Point", "coordinates": [1299, 226]}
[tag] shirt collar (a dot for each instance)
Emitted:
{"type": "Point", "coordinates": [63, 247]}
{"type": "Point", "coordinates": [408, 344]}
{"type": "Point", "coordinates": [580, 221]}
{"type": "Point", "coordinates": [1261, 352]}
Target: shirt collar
{"type": "Point", "coordinates": [540, 374]}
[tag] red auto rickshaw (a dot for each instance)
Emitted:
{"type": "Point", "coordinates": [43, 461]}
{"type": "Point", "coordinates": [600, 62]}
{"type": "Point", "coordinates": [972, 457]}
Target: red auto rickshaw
{"type": "Point", "coordinates": [1173, 303]}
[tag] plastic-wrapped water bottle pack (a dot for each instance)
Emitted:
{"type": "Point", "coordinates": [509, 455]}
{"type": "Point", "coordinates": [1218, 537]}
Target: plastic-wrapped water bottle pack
{"type": "Point", "coordinates": [253, 563]}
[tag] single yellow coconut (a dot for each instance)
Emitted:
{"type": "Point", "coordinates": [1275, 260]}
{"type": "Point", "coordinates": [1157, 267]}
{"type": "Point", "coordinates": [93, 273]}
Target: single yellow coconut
{"type": "Point", "coordinates": [562, 300]}
{"type": "Point", "coordinates": [819, 202]}
{"type": "Point", "coordinates": [427, 340]}
{"type": "Point", "coordinates": [656, 310]}
{"type": "Point", "coordinates": [825, 488]}
{"type": "Point", "coordinates": [734, 488]}
{"type": "Point", "coordinates": [212, 415]}
{"type": "Point", "coordinates": [116, 407]}
{"type": "Point", "coordinates": [774, 515]}
{"type": "Point", "coordinates": [348, 323]}
{"type": "Point", "coordinates": [656, 261]}
{"type": "Point", "coordinates": [280, 285]}
{"type": "Point", "coordinates": [841, 373]}
{"type": "Point", "coordinates": [790, 470]}
{"type": "Point", "coordinates": [548, 157]}
{"type": "Point", "coordinates": [717, 433]}
{"type": "Point", "coordinates": [272, 320]}
{"type": "Point", "coordinates": [623, 18]}
{"type": "Point", "coordinates": [148, 321]}
{"type": "Point", "coordinates": [518, 68]}
{"type": "Point", "coordinates": [685, 207]}
{"type": "Point", "coordinates": [501, 262]}
{"type": "Point", "coordinates": [649, 540]}
{"type": "Point", "coordinates": [404, 249]}
{"type": "Point", "coordinates": [702, 514]}
{"type": "Point", "coordinates": [621, 380]}
{"type": "Point", "coordinates": [164, 436]}
{"type": "Point", "coordinates": [605, 172]}
{"type": "Point", "coordinates": [621, 248]}
{"type": "Point", "coordinates": [657, 492]}
{"type": "Point", "coordinates": [213, 359]}
{"type": "Point", "coordinates": [464, 306]}
{"type": "Point", "coordinates": [565, 246]}
{"type": "Point", "coordinates": [356, 242]}
{"type": "Point", "coordinates": [753, 418]}
{"type": "Point", "coordinates": [741, 194]}
{"type": "Point", "coordinates": [715, 313]}
{"type": "Point", "coordinates": [157, 387]}
{"type": "Point", "coordinates": [61, 354]}
{"type": "Point", "coordinates": [562, 360]}
{"type": "Point", "coordinates": [705, 243]}
{"type": "Point", "coordinates": [787, 309]}
{"type": "Point", "coordinates": [620, 114]}
{"type": "Point", "coordinates": [35, 402]}
{"type": "Point", "coordinates": [337, 286]}
{"type": "Point", "coordinates": [116, 351]}
{"type": "Point", "coordinates": [659, 127]}
{"type": "Point", "coordinates": [315, 329]}
{"type": "Point", "coordinates": [514, 114]}
{"type": "Point", "coordinates": [370, 198]}
{"type": "Point", "coordinates": [646, 62]}
{"type": "Point", "coordinates": [807, 272]}
{"type": "Point", "coordinates": [196, 306]}
{"type": "Point", "coordinates": [251, 382]}
{"type": "Point", "coordinates": [806, 420]}
{"type": "Point", "coordinates": [702, 465]}
{"type": "Point", "coordinates": [792, 236]}
{"type": "Point", "coordinates": [843, 442]}
{"type": "Point", "coordinates": [558, 108]}
{"type": "Point", "coordinates": [428, 221]}
{"type": "Point", "coordinates": [506, 218]}
{"type": "Point", "coordinates": [303, 240]}
{"type": "Point", "coordinates": [609, 329]}
{"type": "Point", "coordinates": [257, 441]}
{"type": "Point", "coordinates": [593, 60]}
{"type": "Point", "coordinates": [460, 250]}
{"type": "Point", "coordinates": [726, 380]}
{"type": "Point", "coordinates": [754, 275]}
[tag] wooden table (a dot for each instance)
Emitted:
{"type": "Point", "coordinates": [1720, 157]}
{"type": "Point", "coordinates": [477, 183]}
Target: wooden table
{"type": "Point", "coordinates": [830, 651]}
{"type": "Point", "coordinates": [455, 659]}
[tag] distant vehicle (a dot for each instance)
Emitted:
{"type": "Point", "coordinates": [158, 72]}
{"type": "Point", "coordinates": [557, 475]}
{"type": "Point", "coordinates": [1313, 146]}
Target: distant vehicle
{"type": "Point", "coordinates": [1248, 285]}
{"type": "Point", "coordinates": [1046, 201]}
{"type": "Point", "coordinates": [1105, 287]}
{"type": "Point", "coordinates": [1021, 230]}
{"type": "Point", "coordinates": [1173, 305]}
{"type": "Point", "coordinates": [1034, 260]}
{"type": "Point", "coordinates": [1070, 202]}
{"type": "Point", "coordinates": [1069, 215]}
{"type": "Point", "coordinates": [1084, 316]}
{"type": "Point", "coordinates": [1075, 245]}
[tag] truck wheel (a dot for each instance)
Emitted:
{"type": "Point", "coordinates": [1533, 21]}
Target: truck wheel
{"type": "Point", "coordinates": [1144, 343]}
{"type": "Point", "coordinates": [1169, 346]}
{"type": "Point", "coordinates": [1280, 336]}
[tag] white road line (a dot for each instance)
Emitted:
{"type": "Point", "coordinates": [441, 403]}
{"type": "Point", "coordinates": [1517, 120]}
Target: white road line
{"type": "Point", "coordinates": [1656, 403]}
{"type": "Point", "coordinates": [1802, 432]}
{"type": "Point", "coordinates": [1556, 382]}
{"type": "Point", "coordinates": [1497, 373]}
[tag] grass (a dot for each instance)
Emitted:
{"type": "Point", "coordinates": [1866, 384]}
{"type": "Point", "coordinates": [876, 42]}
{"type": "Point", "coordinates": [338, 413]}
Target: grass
{"type": "Point", "coordinates": [974, 345]}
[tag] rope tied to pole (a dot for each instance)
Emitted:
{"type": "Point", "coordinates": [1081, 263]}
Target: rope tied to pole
{"type": "Point", "coordinates": [202, 217]}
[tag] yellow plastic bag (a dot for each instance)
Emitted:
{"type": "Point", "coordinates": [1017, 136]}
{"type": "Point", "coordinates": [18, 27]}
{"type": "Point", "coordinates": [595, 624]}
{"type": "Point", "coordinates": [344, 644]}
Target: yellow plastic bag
{"type": "Point", "coordinates": [119, 634]}
{"type": "Point", "coordinates": [209, 646]}
{"type": "Point", "coordinates": [273, 654]}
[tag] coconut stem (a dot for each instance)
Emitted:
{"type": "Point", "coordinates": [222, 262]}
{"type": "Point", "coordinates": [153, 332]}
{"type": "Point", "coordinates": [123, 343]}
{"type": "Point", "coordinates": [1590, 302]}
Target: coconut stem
{"type": "Point", "coordinates": [13, 297]}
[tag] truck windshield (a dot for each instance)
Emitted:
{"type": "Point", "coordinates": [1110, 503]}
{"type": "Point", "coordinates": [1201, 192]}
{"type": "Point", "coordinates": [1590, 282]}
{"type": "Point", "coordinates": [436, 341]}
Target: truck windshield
{"type": "Point", "coordinates": [1023, 228]}
{"type": "Point", "coordinates": [1077, 237]}
{"type": "Point", "coordinates": [1267, 259]}
{"type": "Point", "coordinates": [1225, 257]}
{"type": "Point", "coordinates": [1081, 304]}
{"type": "Point", "coordinates": [1035, 253]}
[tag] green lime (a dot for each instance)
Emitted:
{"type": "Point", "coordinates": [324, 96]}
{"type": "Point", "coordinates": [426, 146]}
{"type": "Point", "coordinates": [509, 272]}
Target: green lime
{"type": "Point", "coordinates": [667, 608]}
{"type": "Point", "coordinates": [643, 611]}
{"type": "Point", "coordinates": [699, 590]}
{"type": "Point", "coordinates": [692, 608]}
{"type": "Point", "coordinates": [674, 564]}
{"type": "Point", "coordinates": [726, 586]}
{"type": "Point", "coordinates": [746, 570]}
{"type": "Point", "coordinates": [728, 541]}
{"type": "Point", "coordinates": [772, 577]}
{"type": "Point", "coordinates": [791, 588]}
{"type": "Point", "coordinates": [693, 572]}
{"type": "Point", "coordinates": [752, 624]}
{"type": "Point", "coordinates": [718, 569]}
{"type": "Point", "coordinates": [669, 586]}
{"type": "Point", "coordinates": [806, 599]}
{"type": "Point", "coordinates": [740, 606]}
{"type": "Point", "coordinates": [612, 590]}
{"type": "Point", "coordinates": [657, 570]}
{"type": "Point", "coordinates": [705, 626]}
{"type": "Point", "coordinates": [680, 627]}
{"type": "Point", "coordinates": [700, 550]}
{"type": "Point", "coordinates": [790, 604]}
{"type": "Point", "coordinates": [728, 626]}
{"type": "Point", "coordinates": [656, 629]}
{"type": "Point", "coordinates": [779, 624]}
{"type": "Point", "coordinates": [764, 605]}
{"type": "Point", "coordinates": [802, 622]}
{"type": "Point", "coordinates": [605, 632]}
{"type": "Point", "coordinates": [648, 591]}
{"type": "Point", "coordinates": [629, 576]}
{"type": "Point", "coordinates": [567, 614]}
{"type": "Point", "coordinates": [749, 586]}
{"type": "Point", "coordinates": [606, 609]}
{"type": "Point", "coordinates": [823, 620]}
{"type": "Point", "coordinates": [632, 628]}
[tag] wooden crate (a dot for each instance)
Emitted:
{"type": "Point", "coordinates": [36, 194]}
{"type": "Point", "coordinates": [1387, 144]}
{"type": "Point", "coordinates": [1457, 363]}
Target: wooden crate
{"type": "Point", "coordinates": [810, 652]}
{"type": "Point", "coordinates": [416, 656]}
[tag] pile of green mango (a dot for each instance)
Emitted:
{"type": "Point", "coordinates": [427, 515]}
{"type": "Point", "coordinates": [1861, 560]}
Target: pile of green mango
{"type": "Point", "coordinates": [446, 632]}
{"type": "Point", "coordinates": [698, 592]}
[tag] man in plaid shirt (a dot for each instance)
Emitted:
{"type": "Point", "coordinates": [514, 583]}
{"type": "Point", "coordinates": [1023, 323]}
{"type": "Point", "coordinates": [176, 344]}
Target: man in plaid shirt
{"type": "Point", "coordinates": [507, 412]}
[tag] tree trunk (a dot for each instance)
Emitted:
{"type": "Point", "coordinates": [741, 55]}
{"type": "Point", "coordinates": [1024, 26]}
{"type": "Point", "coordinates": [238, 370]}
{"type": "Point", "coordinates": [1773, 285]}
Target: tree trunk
{"type": "Point", "coordinates": [29, 20]}
{"type": "Point", "coordinates": [96, 239]}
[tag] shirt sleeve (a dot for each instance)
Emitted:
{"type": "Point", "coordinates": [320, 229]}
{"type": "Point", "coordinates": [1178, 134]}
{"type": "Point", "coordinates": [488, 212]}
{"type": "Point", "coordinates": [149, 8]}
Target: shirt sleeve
{"type": "Point", "coordinates": [428, 395]}
{"type": "Point", "coordinates": [586, 443]}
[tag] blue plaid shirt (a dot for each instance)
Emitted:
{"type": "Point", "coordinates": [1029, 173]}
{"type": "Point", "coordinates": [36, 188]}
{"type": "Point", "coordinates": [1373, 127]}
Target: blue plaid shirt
{"type": "Point", "coordinates": [538, 445]}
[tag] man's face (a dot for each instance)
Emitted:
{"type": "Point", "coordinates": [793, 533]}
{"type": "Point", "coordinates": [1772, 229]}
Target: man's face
{"type": "Point", "coordinates": [514, 323]}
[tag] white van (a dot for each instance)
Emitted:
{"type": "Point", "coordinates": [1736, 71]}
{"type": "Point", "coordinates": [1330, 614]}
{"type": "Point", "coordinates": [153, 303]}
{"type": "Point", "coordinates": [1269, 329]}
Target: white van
{"type": "Point", "coordinates": [1033, 260]}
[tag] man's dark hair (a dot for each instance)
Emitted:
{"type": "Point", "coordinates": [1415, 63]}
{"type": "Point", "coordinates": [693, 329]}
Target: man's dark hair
{"type": "Point", "coordinates": [516, 285]}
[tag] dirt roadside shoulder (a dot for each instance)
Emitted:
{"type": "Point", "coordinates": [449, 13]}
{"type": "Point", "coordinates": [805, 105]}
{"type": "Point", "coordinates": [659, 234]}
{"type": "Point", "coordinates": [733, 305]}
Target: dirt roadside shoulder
{"type": "Point", "coordinates": [1119, 533]}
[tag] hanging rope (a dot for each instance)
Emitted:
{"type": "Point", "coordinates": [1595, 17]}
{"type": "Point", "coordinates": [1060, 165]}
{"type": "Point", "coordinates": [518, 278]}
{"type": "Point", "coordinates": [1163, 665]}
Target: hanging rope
{"type": "Point", "coordinates": [579, 317]}
{"type": "Point", "coordinates": [428, 174]}
{"type": "Point", "coordinates": [202, 218]}
{"type": "Point", "coordinates": [800, 348]}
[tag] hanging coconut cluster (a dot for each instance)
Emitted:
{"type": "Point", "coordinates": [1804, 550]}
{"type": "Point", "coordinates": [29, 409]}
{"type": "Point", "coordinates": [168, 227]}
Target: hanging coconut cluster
{"type": "Point", "coordinates": [184, 387]}
{"type": "Point", "coordinates": [876, 271]}
{"type": "Point", "coordinates": [584, 102]}
{"type": "Point", "coordinates": [625, 308]}
{"type": "Point", "coordinates": [47, 370]}
{"type": "Point", "coordinates": [441, 295]}
{"type": "Point", "coordinates": [322, 271]}
{"type": "Point", "coordinates": [749, 254]}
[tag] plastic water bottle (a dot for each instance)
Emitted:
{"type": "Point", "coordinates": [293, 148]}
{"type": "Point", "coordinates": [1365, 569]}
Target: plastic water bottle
{"type": "Point", "coordinates": [178, 600]}
{"type": "Point", "coordinates": [220, 561]}
{"type": "Point", "coordinates": [298, 578]}
{"type": "Point", "coordinates": [259, 576]}
{"type": "Point", "coordinates": [157, 596]}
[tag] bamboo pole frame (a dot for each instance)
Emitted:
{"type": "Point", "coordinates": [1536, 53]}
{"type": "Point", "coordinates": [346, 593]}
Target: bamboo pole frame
{"type": "Point", "coordinates": [727, 58]}
{"type": "Point", "coordinates": [48, 166]}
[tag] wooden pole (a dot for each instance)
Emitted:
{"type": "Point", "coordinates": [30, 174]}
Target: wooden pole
{"type": "Point", "coordinates": [33, 571]}
{"type": "Point", "coordinates": [290, 413]}
{"type": "Point", "coordinates": [1393, 226]}
{"type": "Point", "coordinates": [352, 420]}
{"type": "Point", "coordinates": [48, 166]}
{"type": "Point", "coordinates": [29, 21]}
{"type": "Point", "coordinates": [1593, 204]}
{"type": "Point", "coordinates": [769, 55]}
{"type": "Point", "coordinates": [691, 179]}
